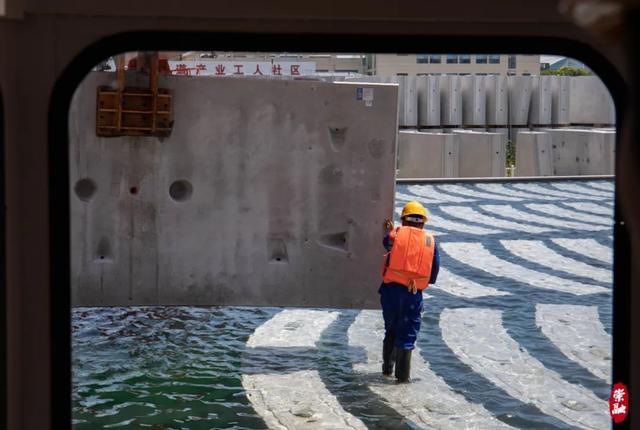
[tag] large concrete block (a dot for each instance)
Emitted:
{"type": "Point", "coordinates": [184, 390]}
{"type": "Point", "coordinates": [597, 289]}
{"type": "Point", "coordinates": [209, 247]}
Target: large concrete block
{"type": "Point", "coordinates": [497, 100]}
{"type": "Point", "coordinates": [407, 100]}
{"type": "Point", "coordinates": [534, 156]}
{"type": "Point", "coordinates": [590, 101]}
{"type": "Point", "coordinates": [583, 152]}
{"type": "Point", "coordinates": [481, 154]}
{"type": "Point", "coordinates": [519, 99]}
{"type": "Point", "coordinates": [267, 192]}
{"type": "Point", "coordinates": [428, 93]}
{"type": "Point", "coordinates": [599, 153]}
{"type": "Point", "coordinates": [560, 87]}
{"type": "Point", "coordinates": [427, 155]}
{"type": "Point", "coordinates": [451, 100]}
{"type": "Point", "coordinates": [474, 101]}
{"type": "Point", "coordinates": [540, 112]}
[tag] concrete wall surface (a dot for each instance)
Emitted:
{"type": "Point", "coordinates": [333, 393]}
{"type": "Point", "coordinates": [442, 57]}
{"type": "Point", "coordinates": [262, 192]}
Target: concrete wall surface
{"type": "Point", "coordinates": [519, 99]}
{"type": "Point", "coordinates": [590, 101]}
{"type": "Point", "coordinates": [560, 87]}
{"type": "Point", "coordinates": [583, 152]}
{"type": "Point", "coordinates": [427, 155]}
{"type": "Point", "coordinates": [428, 93]}
{"type": "Point", "coordinates": [541, 101]}
{"type": "Point", "coordinates": [474, 101]}
{"type": "Point", "coordinates": [534, 155]}
{"type": "Point", "coordinates": [497, 100]}
{"type": "Point", "coordinates": [267, 192]}
{"type": "Point", "coordinates": [451, 101]}
{"type": "Point", "coordinates": [407, 100]}
{"type": "Point", "coordinates": [481, 154]}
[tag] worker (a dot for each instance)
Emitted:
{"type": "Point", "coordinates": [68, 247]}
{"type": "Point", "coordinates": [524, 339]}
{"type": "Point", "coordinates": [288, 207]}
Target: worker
{"type": "Point", "coordinates": [411, 263]}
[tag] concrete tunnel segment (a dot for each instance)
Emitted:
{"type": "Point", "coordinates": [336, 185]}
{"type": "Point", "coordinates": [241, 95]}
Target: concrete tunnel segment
{"type": "Point", "coordinates": [267, 192]}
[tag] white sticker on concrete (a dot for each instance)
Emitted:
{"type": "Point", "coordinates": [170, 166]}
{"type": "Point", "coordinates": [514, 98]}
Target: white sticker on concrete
{"type": "Point", "coordinates": [544, 191]}
{"type": "Point", "coordinates": [429, 194]}
{"type": "Point", "coordinates": [437, 222]}
{"type": "Point", "coordinates": [567, 213]}
{"type": "Point", "coordinates": [294, 399]}
{"type": "Point", "coordinates": [297, 400]}
{"type": "Point", "coordinates": [427, 401]}
{"type": "Point", "coordinates": [588, 247]}
{"type": "Point", "coordinates": [500, 188]}
{"type": "Point", "coordinates": [579, 334]}
{"type": "Point", "coordinates": [592, 207]}
{"type": "Point", "coordinates": [292, 327]}
{"type": "Point", "coordinates": [479, 339]}
{"type": "Point", "coordinates": [463, 287]}
{"type": "Point", "coordinates": [537, 251]}
{"type": "Point", "coordinates": [511, 212]}
{"type": "Point", "coordinates": [476, 194]}
{"type": "Point", "coordinates": [476, 255]}
{"type": "Point", "coordinates": [368, 95]}
{"type": "Point", "coordinates": [575, 188]}
{"type": "Point", "coordinates": [467, 213]}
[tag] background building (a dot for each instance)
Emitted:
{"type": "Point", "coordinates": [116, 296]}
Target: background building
{"type": "Point", "coordinates": [385, 64]}
{"type": "Point", "coordinates": [462, 64]}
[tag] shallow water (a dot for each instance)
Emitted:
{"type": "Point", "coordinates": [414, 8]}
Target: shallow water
{"type": "Point", "coordinates": [182, 367]}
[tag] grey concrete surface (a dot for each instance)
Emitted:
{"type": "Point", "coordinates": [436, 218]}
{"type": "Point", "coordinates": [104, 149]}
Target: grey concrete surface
{"type": "Point", "coordinates": [590, 101]}
{"type": "Point", "coordinates": [428, 93]}
{"type": "Point", "coordinates": [541, 100]}
{"type": "Point", "coordinates": [427, 155]}
{"type": "Point", "coordinates": [560, 100]}
{"type": "Point", "coordinates": [267, 191]}
{"type": "Point", "coordinates": [519, 99]}
{"type": "Point", "coordinates": [497, 100]}
{"type": "Point", "coordinates": [481, 154]}
{"type": "Point", "coordinates": [534, 156]}
{"type": "Point", "coordinates": [474, 101]}
{"type": "Point", "coordinates": [407, 100]}
{"type": "Point", "coordinates": [451, 100]}
{"type": "Point", "coordinates": [582, 152]}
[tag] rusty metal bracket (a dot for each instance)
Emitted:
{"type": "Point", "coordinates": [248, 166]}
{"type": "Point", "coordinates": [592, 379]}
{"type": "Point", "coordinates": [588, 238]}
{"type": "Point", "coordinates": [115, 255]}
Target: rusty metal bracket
{"type": "Point", "coordinates": [132, 111]}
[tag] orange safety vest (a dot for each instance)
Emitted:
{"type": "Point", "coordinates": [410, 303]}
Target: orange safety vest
{"type": "Point", "coordinates": [411, 257]}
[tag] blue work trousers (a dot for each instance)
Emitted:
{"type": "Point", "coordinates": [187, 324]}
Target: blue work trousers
{"type": "Point", "coordinates": [402, 313]}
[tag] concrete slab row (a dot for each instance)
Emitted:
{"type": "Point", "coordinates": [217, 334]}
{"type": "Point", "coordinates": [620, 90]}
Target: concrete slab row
{"type": "Point", "coordinates": [462, 153]}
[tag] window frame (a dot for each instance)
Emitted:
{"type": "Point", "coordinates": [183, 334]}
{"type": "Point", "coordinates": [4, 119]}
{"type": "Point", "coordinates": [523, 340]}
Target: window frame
{"type": "Point", "coordinates": [91, 54]}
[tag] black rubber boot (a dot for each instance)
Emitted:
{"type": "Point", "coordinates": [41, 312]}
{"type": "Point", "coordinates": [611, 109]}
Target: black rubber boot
{"type": "Point", "coordinates": [388, 355]}
{"type": "Point", "coordinates": [403, 364]}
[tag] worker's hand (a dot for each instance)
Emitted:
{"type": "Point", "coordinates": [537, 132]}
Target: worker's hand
{"type": "Point", "coordinates": [413, 288]}
{"type": "Point", "coordinates": [388, 225]}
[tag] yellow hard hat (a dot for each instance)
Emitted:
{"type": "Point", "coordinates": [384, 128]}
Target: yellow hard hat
{"type": "Point", "coordinates": [414, 208]}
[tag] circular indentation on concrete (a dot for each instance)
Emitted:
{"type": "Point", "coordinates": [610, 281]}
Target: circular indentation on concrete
{"type": "Point", "coordinates": [181, 190]}
{"type": "Point", "coordinates": [133, 190]}
{"type": "Point", "coordinates": [85, 189]}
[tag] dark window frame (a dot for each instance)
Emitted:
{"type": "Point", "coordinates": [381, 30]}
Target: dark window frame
{"type": "Point", "coordinates": [89, 56]}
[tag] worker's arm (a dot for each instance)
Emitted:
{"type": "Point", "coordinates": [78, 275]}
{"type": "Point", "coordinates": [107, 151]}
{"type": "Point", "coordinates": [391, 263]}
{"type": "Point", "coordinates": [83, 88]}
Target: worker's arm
{"type": "Point", "coordinates": [435, 266]}
{"type": "Point", "coordinates": [387, 241]}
